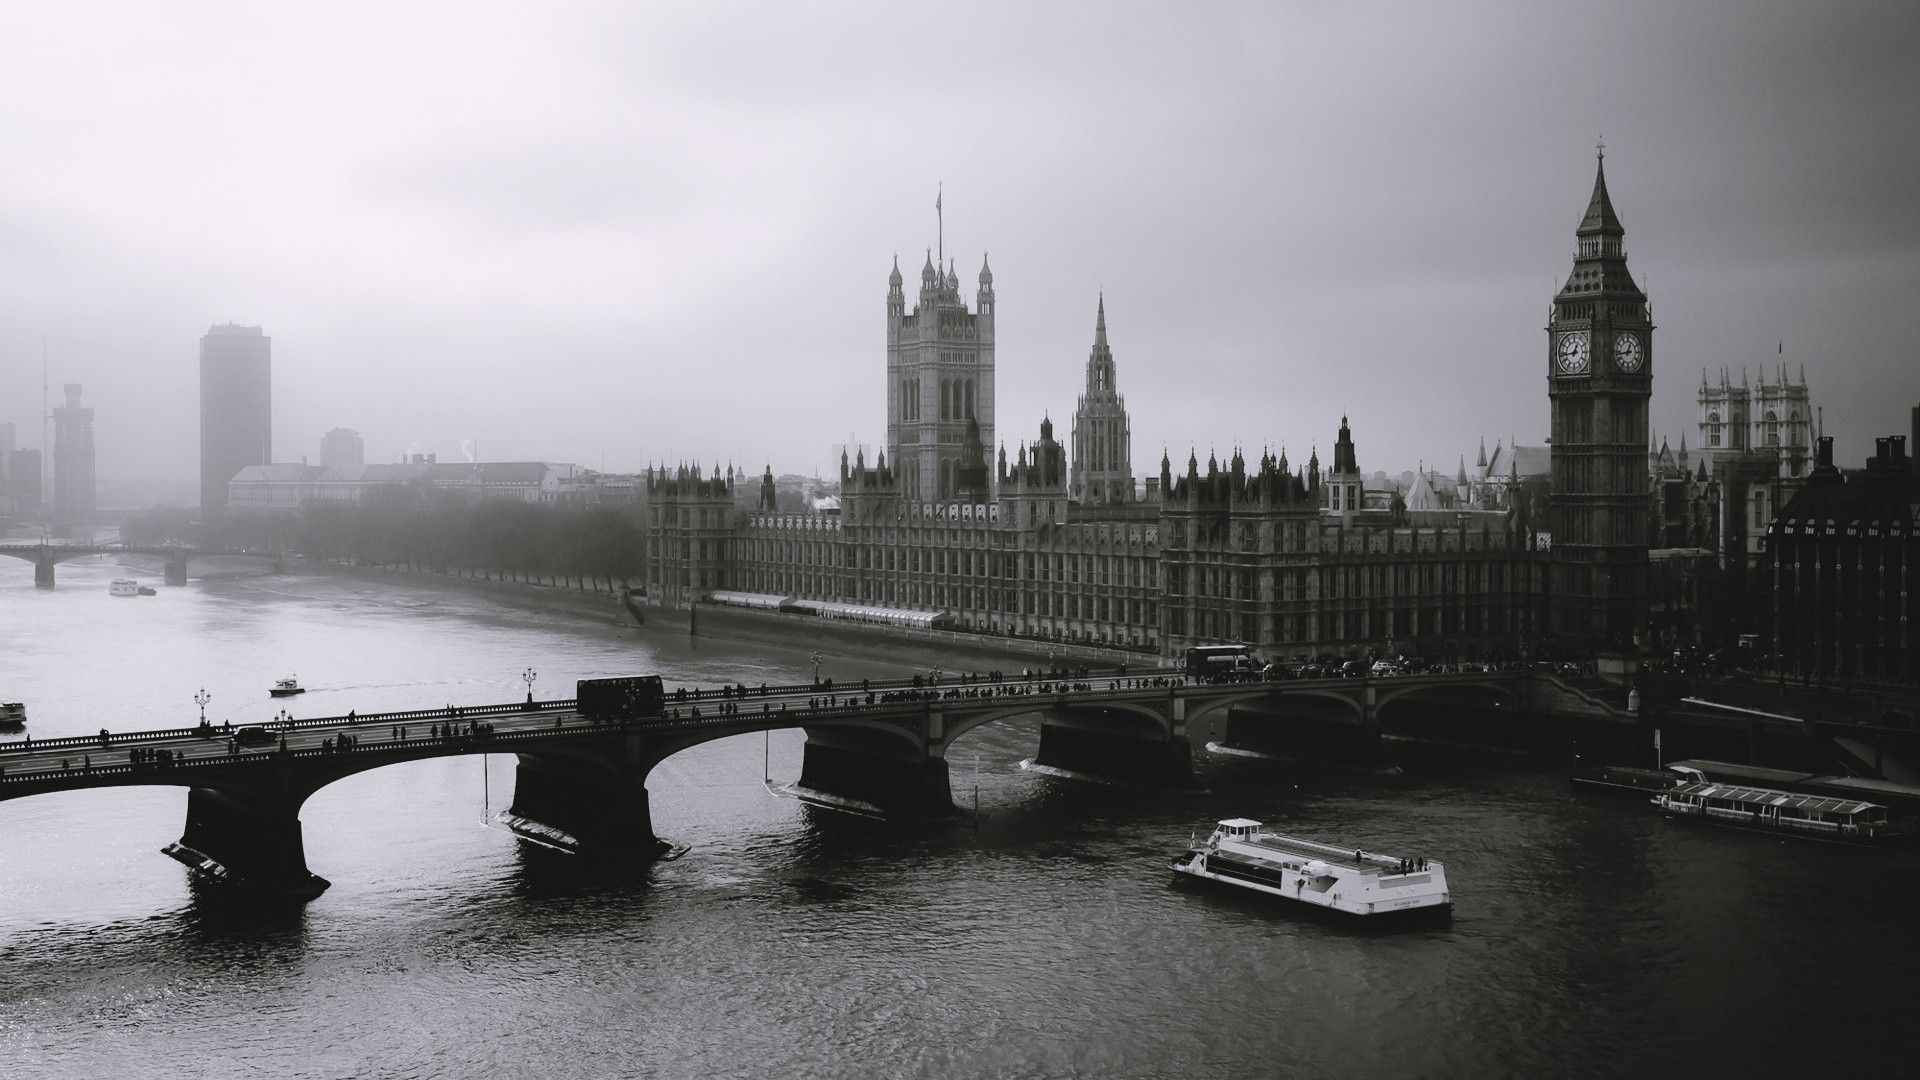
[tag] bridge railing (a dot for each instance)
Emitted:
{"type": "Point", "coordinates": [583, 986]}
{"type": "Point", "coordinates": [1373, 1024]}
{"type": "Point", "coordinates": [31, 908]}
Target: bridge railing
{"type": "Point", "coordinates": [847, 703]}
{"type": "Point", "coordinates": [256, 758]}
{"type": "Point", "coordinates": [81, 742]}
{"type": "Point", "coordinates": [674, 700]}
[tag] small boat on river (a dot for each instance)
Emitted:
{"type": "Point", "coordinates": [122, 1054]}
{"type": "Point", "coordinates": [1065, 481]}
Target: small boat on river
{"type": "Point", "coordinates": [123, 587]}
{"type": "Point", "coordinates": [1242, 854]}
{"type": "Point", "coordinates": [286, 687]}
{"type": "Point", "coordinates": [1632, 780]}
{"type": "Point", "coordinates": [1820, 817]}
{"type": "Point", "coordinates": [13, 715]}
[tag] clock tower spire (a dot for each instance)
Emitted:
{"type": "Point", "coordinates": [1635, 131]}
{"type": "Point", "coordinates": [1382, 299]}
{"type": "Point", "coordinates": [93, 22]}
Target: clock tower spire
{"type": "Point", "coordinates": [1599, 381]}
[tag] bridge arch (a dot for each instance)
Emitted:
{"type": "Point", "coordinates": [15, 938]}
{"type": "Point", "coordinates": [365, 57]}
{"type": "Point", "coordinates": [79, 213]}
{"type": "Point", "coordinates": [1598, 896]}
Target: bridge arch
{"type": "Point", "coordinates": [1278, 693]}
{"type": "Point", "coordinates": [1488, 693]}
{"type": "Point", "coordinates": [1041, 706]}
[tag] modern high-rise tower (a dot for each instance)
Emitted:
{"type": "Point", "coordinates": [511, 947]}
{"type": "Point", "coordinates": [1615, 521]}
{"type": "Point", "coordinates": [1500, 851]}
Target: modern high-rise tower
{"type": "Point", "coordinates": [236, 409]}
{"type": "Point", "coordinates": [73, 486]}
{"type": "Point", "coordinates": [1102, 437]}
{"type": "Point", "coordinates": [1599, 379]}
{"type": "Point", "coordinates": [939, 380]}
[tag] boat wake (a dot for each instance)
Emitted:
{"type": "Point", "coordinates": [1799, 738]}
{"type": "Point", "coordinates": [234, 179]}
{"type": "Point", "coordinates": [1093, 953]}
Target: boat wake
{"type": "Point", "coordinates": [1264, 755]}
{"type": "Point", "coordinates": [826, 800]}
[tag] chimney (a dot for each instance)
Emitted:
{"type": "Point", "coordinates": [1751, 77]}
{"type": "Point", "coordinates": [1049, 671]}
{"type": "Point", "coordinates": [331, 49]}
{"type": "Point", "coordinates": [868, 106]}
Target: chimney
{"type": "Point", "coordinates": [1823, 452]}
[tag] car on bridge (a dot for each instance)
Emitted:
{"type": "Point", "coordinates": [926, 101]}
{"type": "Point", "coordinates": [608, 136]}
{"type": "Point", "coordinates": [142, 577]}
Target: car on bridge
{"type": "Point", "coordinates": [253, 735]}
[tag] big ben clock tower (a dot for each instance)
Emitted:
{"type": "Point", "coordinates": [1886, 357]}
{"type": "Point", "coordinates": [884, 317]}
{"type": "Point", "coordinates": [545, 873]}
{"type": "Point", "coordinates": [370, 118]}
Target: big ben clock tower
{"type": "Point", "coordinates": [1599, 379]}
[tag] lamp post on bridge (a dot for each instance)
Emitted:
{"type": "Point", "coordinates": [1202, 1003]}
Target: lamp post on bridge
{"type": "Point", "coordinates": [201, 698]}
{"type": "Point", "coordinates": [528, 676]}
{"type": "Point", "coordinates": [816, 668]}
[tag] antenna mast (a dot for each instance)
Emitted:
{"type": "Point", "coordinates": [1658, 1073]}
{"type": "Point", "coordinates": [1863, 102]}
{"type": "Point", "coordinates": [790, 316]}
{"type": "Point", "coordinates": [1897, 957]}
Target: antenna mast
{"type": "Point", "coordinates": [46, 439]}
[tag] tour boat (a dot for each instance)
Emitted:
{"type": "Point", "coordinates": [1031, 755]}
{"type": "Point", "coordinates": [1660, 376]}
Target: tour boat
{"type": "Point", "coordinates": [146, 590]}
{"type": "Point", "coordinates": [123, 587]}
{"type": "Point", "coordinates": [1822, 817]}
{"type": "Point", "coordinates": [13, 715]}
{"type": "Point", "coordinates": [1346, 880]}
{"type": "Point", "coordinates": [286, 687]}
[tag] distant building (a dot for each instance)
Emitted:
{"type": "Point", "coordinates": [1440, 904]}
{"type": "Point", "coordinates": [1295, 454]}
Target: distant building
{"type": "Point", "coordinates": [342, 446]}
{"type": "Point", "coordinates": [24, 476]}
{"type": "Point", "coordinates": [1844, 553]}
{"type": "Point", "coordinates": [236, 409]}
{"type": "Point", "coordinates": [1757, 441]}
{"type": "Point", "coordinates": [6, 454]}
{"type": "Point", "coordinates": [73, 463]}
{"type": "Point", "coordinates": [288, 488]}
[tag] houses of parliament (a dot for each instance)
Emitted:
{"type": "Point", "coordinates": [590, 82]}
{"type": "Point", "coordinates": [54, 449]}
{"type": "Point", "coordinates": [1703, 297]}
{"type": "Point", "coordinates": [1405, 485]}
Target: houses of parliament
{"type": "Point", "coordinates": [1057, 541]}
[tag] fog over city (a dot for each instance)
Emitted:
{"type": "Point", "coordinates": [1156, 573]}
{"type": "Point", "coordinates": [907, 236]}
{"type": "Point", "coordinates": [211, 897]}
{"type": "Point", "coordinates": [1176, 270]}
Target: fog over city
{"type": "Point", "coordinates": [612, 233]}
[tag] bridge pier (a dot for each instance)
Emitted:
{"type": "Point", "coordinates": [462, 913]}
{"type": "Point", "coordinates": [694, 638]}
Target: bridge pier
{"type": "Point", "coordinates": [43, 569]}
{"type": "Point", "coordinates": [177, 568]}
{"type": "Point", "coordinates": [1118, 745]}
{"type": "Point", "coordinates": [247, 836]}
{"type": "Point", "coordinates": [589, 804]}
{"type": "Point", "coordinates": [850, 765]}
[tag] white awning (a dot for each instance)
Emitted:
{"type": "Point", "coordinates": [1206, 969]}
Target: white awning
{"type": "Point", "coordinates": [766, 601]}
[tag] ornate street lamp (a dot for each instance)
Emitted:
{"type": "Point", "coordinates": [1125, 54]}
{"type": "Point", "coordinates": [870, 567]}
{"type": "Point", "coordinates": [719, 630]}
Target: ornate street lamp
{"type": "Point", "coordinates": [528, 676]}
{"type": "Point", "coordinates": [816, 669]}
{"type": "Point", "coordinates": [201, 700]}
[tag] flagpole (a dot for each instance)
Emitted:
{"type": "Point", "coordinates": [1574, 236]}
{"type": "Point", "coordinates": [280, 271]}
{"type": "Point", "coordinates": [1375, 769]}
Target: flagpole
{"type": "Point", "coordinates": [940, 214]}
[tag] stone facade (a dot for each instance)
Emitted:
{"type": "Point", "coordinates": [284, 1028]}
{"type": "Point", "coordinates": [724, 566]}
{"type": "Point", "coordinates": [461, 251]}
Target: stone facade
{"type": "Point", "coordinates": [1599, 381]}
{"type": "Point", "coordinates": [1102, 435]}
{"type": "Point", "coordinates": [939, 381]}
{"type": "Point", "coordinates": [1843, 554]}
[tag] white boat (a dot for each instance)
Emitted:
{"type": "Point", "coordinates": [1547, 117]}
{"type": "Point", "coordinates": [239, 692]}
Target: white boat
{"type": "Point", "coordinates": [1354, 882]}
{"type": "Point", "coordinates": [286, 687]}
{"type": "Point", "coordinates": [123, 587]}
{"type": "Point", "coordinates": [1822, 817]}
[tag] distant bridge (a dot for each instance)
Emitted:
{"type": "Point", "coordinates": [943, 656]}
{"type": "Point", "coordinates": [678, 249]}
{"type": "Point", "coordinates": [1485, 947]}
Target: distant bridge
{"type": "Point", "coordinates": [581, 782]}
{"type": "Point", "coordinates": [43, 555]}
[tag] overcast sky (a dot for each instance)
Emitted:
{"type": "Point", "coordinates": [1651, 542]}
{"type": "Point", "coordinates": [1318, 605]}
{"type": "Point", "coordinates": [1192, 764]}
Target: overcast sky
{"type": "Point", "coordinates": [626, 232]}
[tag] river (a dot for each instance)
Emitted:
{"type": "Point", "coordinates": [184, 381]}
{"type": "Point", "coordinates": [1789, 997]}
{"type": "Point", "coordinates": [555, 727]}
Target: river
{"type": "Point", "coordinates": [1044, 938]}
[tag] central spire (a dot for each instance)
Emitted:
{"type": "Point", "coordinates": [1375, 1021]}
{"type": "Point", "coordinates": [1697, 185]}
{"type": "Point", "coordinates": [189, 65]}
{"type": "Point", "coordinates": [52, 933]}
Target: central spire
{"type": "Point", "coordinates": [1600, 218]}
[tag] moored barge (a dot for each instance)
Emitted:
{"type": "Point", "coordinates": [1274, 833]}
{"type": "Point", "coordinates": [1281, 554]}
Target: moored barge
{"type": "Point", "coordinates": [1819, 817]}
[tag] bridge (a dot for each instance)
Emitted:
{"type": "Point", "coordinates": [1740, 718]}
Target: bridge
{"type": "Point", "coordinates": [44, 554]}
{"type": "Point", "coordinates": [580, 782]}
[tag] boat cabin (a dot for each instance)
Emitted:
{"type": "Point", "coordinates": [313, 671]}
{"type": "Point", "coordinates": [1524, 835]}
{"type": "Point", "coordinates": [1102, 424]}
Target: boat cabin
{"type": "Point", "coordinates": [1237, 828]}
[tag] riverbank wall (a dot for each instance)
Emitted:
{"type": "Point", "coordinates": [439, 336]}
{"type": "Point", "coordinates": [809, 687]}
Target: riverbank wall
{"type": "Point", "coordinates": [894, 643]}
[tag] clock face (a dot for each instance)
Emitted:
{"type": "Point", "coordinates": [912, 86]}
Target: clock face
{"type": "Point", "coordinates": [1626, 352]}
{"type": "Point", "coordinates": [1572, 352]}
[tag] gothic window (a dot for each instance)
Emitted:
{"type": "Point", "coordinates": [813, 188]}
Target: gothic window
{"type": "Point", "coordinates": [969, 409]}
{"type": "Point", "coordinates": [1713, 429]}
